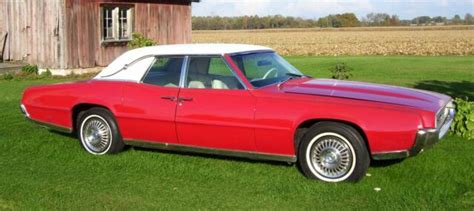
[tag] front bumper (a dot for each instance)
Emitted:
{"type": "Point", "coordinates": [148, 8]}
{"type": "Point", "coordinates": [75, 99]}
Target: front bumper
{"type": "Point", "coordinates": [425, 138]}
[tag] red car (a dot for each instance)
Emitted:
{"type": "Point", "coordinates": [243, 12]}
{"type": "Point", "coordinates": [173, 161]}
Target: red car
{"type": "Point", "coordinates": [245, 101]}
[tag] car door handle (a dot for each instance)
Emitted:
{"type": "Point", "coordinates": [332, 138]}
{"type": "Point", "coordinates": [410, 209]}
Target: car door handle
{"type": "Point", "coordinates": [180, 99]}
{"type": "Point", "coordinates": [172, 98]}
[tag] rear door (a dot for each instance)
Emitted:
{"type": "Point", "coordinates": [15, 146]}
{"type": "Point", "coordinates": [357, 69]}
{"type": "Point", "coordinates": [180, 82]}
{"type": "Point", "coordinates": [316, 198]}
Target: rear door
{"type": "Point", "coordinates": [214, 108]}
{"type": "Point", "coordinates": [150, 106]}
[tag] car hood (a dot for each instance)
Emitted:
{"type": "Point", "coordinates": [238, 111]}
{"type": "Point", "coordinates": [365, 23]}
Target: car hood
{"type": "Point", "coordinates": [421, 99]}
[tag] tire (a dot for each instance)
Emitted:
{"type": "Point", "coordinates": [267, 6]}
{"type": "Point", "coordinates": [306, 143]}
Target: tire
{"type": "Point", "coordinates": [333, 152]}
{"type": "Point", "coordinates": [98, 132]}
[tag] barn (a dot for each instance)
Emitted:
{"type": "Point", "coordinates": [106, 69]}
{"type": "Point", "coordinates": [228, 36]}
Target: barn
{"type": "Point", "coordinates": [77, 34]}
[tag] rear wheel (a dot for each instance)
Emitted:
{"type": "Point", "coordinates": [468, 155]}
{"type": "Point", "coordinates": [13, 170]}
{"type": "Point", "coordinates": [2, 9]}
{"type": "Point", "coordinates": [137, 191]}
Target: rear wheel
{"type": "Point", "coordinates": [98, 132]}
{"type": "Point", "coordinates": [333, 152]}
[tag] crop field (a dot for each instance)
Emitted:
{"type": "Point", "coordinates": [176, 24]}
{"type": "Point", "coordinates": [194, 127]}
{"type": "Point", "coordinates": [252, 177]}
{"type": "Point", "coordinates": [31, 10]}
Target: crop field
{"type": "Point", "coordinates": [420, 41]}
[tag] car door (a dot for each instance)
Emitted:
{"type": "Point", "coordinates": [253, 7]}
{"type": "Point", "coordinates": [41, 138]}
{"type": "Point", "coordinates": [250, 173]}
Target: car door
{"type": "Point", "coordinates": [214, 108]}
{"type": "Point", "coordinates": [150, 106]}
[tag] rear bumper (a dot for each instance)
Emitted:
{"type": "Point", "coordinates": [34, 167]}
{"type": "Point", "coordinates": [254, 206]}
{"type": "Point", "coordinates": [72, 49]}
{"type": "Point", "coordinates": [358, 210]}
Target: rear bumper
{"type": "Point", "coordinates": [425, 138]}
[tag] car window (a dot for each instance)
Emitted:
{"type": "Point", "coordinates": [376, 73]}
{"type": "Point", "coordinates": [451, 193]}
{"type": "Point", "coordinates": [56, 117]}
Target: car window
{"type": "Point", "coordinates": [210, 73]}
{"type": "Point", "coordinates": [165, 71]}
{"type": "Point", "coordinates": [264, 68]}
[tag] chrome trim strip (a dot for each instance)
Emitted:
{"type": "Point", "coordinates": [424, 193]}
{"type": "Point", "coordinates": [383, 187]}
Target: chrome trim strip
{"type": "Point", "coordinates": [52, 126]}
{"type": "Point", "coordinates": [390, 155]}
{"type": "Point", "coordinates": [202, 150]}
{"type": "Point", "coordinates": [24, 111]}
{"type": "Point", "coordinates": [184, 69]}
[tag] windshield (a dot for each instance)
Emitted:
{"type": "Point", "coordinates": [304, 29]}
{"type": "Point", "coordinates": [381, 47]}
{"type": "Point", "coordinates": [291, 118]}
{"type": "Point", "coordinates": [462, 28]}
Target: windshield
{"type": "Point", "coordinates": [265, 68]}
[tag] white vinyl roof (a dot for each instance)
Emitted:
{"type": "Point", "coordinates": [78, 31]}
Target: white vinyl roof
{"type": "Point", "coordinates": [126, 59]}
{"type": "Point", "coordinates": [193, 49]}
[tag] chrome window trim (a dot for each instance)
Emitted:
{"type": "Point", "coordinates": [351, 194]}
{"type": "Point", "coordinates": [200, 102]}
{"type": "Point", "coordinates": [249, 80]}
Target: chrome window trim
{"type": "Point", "coordinates": [184, 71]}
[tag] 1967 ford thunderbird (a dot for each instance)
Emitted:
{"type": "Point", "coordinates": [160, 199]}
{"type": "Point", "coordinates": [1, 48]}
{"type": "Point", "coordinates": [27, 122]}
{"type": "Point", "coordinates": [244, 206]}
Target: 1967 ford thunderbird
{"type": "Point", "coordinates": [245, 101]}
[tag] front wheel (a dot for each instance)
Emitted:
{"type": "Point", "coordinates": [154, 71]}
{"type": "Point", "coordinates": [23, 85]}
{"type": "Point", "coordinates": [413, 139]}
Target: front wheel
{"type": "Point", "coordinates": [333, 152]}
{"type": "Point", "coordinates": [98, 132]}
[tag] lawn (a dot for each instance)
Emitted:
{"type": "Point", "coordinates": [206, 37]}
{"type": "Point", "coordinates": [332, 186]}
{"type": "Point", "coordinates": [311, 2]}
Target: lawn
{"type": "Point", "coordinates": [48, 170]}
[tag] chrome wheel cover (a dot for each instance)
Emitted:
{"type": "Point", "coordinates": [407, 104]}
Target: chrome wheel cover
{"type": "Point", "coordinates": [96, 134]}
{"type": "Point", "coordinates": [331, 157]}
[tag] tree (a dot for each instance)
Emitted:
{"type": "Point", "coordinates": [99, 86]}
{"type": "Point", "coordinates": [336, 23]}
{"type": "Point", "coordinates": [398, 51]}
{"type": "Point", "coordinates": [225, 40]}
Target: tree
{"type": "Point", "coordinates": [394, 21]}
{"type": "Point", "coordinates": [348, 20]}
{"type": "Point", "coordinates": [377, 19]}
{"type": "Point", "coordinates": [422, 20]}
{"type": "Point", "coordinates": [468, 19]}
{"type": "Point", "coordinates": [439, 19]}
{"type": "Point", "coordinates": [456, 19]}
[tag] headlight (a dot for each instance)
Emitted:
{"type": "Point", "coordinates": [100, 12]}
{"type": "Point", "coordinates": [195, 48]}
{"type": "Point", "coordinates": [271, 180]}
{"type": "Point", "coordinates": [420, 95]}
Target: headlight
{"type": "Point", "coordinates": [443, 114]}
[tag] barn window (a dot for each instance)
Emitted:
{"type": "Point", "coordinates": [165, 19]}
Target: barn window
{"type": "Point", "coordinates": [117, 23]}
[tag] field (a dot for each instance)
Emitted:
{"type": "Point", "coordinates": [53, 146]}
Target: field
{"type": "Point", "coordinates": [40, 169]}
{"type": "Point", "coordinates": [353, 41]}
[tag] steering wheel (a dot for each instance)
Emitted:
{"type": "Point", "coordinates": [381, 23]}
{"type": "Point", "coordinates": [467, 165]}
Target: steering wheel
{"type": "Point", "coordinates": [268, 72]}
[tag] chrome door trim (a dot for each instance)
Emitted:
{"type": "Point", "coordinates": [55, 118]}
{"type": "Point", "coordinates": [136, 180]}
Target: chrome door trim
{"type": "Point", "coordinates": [204, 150]}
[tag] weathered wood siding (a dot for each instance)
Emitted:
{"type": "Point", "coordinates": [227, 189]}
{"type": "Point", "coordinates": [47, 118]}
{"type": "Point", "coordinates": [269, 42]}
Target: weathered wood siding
{"type": "Point", "coordinates": [67, 33]}
{"type": "Point", "coordinates": [167, 22]}
{"type": "Point", "coordinates": [34, 32]}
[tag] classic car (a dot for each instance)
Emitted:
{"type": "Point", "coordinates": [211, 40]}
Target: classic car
{"type": "Point", "coordinates": [244, 101]}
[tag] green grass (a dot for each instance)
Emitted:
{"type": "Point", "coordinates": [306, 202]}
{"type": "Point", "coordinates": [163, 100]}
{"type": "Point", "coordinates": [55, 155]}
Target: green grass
{"type": "Point", "coordinates": [47, 170]}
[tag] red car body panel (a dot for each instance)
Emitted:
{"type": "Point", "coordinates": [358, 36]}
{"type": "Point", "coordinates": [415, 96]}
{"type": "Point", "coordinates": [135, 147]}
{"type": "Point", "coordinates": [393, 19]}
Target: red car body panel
{"type": "Point", "coordinates": [263, 120]}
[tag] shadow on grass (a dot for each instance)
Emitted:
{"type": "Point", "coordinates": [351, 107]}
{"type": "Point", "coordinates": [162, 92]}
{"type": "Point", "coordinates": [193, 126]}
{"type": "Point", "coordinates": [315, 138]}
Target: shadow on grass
{"type": "Point", "coordinates": [459, 89]}
{"type": "Point", "coordinates": [373, 163]}
{"type": "Point", "coordinates": [384, 163]}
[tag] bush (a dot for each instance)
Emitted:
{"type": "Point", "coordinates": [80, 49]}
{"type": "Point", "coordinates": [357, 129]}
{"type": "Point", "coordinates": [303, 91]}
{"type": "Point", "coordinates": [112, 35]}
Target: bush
{"type": "Point", "coordinates": [29, 69]}
{"type": "Point", "coordinates": [46, 74]}
{"type": "Point", "coordinates": [139, 41]}
{"type": "Point", "coordinates": [463, 124]}
{"type": "Point", "coordinates": [341, 71]}
{"type": "Point", "coordinates": [7, 76]}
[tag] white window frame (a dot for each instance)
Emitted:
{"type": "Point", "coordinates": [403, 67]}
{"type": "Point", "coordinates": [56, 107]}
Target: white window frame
{"type": "Point", "coordinates": [119, 28]}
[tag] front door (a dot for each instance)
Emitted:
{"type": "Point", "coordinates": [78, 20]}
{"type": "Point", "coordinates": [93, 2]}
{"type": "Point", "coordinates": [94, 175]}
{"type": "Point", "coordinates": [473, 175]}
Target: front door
{"type": "Point", "coordinates": [150, 106]}
{"type": "Point", "coordinates": [214, 109]}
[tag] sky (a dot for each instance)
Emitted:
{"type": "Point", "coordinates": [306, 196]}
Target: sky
{"type": "Point", "coordinates": [405, 9]}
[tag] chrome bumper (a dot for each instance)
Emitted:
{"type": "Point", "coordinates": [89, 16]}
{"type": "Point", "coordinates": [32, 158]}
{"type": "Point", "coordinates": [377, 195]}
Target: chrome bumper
{"type": "Point", "coordinates": [425, 138]}
{"type": "Point", "coordinates": [24, 111]}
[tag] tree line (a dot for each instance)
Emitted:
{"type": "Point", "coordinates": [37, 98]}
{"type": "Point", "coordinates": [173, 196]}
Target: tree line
{"type": "Point", "coordinates": [336, 20]}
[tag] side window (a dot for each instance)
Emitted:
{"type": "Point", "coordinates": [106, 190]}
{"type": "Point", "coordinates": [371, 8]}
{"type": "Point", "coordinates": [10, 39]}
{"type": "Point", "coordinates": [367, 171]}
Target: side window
{"type": "Point", "coordinates": [165, 71]}
{"type": "Point", "coordinates": [210, 73]}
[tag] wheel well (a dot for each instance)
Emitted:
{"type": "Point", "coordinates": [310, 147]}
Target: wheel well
{"type": "Point", "coordinates": [303, 128]}
{"type": "Point", "coordinates": [77, 109]}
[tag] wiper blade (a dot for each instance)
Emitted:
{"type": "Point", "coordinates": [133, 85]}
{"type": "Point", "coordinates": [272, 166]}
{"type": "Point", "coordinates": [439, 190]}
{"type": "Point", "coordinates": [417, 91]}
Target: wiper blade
{"type": "Point", "coordinates": [297, 75]}
{"type": "Point", "coordinates": [283, 81]}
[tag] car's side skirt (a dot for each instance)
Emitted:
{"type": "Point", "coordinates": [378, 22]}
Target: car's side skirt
{"type": "Point", "coordinates": [231, 153]}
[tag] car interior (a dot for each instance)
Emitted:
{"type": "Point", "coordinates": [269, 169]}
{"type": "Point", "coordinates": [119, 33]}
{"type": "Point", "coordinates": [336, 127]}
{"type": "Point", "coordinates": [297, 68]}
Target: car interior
{"type": "Point", "coordinates": [164, 72]}
{"type": "Point", "coordinates": [203, 73]}
{"type": "Point", "coordinates": [200, 76]}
